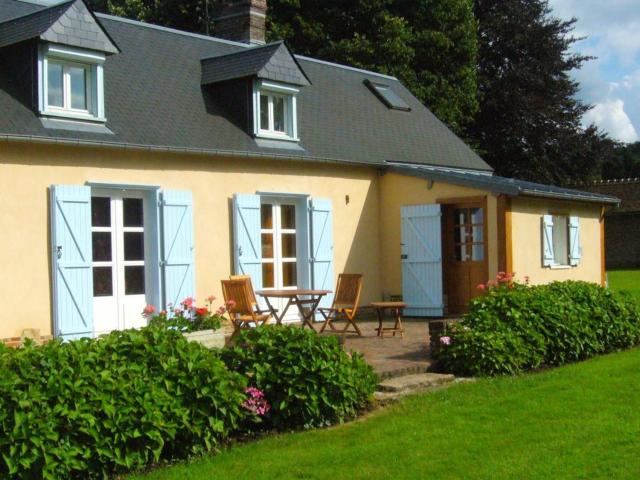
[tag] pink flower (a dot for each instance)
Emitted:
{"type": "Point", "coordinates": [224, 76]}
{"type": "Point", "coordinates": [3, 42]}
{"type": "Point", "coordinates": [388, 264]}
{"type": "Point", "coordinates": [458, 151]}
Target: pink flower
{"type": "Point", "coordinates": [187, 303]}
{"type": "Point", "coordinates": [148, 310]}
{"type": "Point", "coordinates": [231, 304]}
{"type": "Point", "coordinates": [211, 299]}
{"type": "Point", "coordinates": [202, 311]}
{"type": "Point", "coordinates": [445, 340]}
{"type": "Point", "coordinates": [163, 313]}
{"type": "Point", "coordinates": [177, 311]}
{"type": "Point", "coordinates": [221, 310]}
{"type": "Point", "coordinates": [256, 403]}
{"type": "Point", "coordinates": [482, 287]}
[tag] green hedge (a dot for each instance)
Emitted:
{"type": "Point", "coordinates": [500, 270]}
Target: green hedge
{"type": "Point", "coordinates": [518, 327]}
{"type": "Point", "coordinates": [96, 407]}
{"type": "Point", "coordinates": [309, 380]}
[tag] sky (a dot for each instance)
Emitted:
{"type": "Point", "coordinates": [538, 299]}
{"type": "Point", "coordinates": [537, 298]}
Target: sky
{"type": "Point", "coordinates": [611, 83]}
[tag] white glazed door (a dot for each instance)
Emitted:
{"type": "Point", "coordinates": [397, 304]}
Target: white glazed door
{"type": "Point", "coordinates": [118, 244]}
{"type": "Point", "coordinates": [279, 251]}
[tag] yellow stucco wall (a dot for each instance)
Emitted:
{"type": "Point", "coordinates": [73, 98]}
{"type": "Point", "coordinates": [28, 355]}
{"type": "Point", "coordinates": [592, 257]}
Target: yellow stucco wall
{"type": "Point", "coordinates": [27, 171]}
{"type": "Point", "coordinates": [527, 240]}
{"type": "Point", "coordinates": [398, 190]}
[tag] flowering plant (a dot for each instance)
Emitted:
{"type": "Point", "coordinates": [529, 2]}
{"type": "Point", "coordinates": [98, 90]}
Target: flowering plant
{"type": "Point", "coordinates": [187, 317]}
{"type": "Point", "coordinates": [256, 403]}
{"type": "Point", "coordinates": [503, 279]}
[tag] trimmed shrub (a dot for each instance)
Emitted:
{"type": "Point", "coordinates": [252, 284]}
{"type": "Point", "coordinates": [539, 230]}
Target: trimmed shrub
{"type": "Point", "coordinates": [518, 327]}
{"type": "Point", "coordinates": [309, 380]}
{"type": "Point", "coordinates": [92, 408]}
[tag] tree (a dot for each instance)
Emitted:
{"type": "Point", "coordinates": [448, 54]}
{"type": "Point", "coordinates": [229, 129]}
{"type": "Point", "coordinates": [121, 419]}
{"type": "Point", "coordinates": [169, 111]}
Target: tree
{"type": "Point", "coordinates": [528, 125]}
{"type": "Point", "coordinates": [430, 45]}
{"type": "Point", "coordinates": [624, 163]}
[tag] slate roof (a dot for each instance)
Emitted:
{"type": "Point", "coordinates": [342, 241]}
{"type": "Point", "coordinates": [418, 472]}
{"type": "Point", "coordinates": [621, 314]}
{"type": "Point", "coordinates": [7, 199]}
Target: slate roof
{"type": "Point", "coordinates": [68, 23]}
{"type": "Point", "coordinates": [497, 184]}
{"type": "Point", "coordinates": [273, 61]}
{"type": "Point", "coordinates": [154, 100]}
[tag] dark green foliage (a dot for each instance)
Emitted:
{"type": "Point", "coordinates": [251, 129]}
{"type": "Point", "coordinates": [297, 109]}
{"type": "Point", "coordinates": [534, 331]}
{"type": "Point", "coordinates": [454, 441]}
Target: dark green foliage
{"type": "Point", "coordinates": [624, 163]}
{"type": "Point", "coordinates": [517, 328]}
{"type": "Point", "coordinates": [89, 408]}
{"type": "Point", "coordinates": [529, 121]}
{"type": "Point", "coordinates": [309, 380]}
{"type": "Point", "coordinates": [430, 45]}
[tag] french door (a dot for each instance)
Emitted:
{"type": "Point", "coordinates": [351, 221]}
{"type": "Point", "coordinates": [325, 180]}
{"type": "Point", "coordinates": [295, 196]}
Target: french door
{"type": "Point", "coordinates": [279, 248]}
{"type": "Point", "coordinates": [119, 260]}
{"type": "Point", "coordinates": [464, 253]}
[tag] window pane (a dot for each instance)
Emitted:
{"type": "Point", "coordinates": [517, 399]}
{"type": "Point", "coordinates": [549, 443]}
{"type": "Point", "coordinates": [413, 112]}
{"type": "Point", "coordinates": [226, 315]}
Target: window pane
{"type": "Point", "coordinates": [288, 216]}
{"type": "Point", "coordinates": [477, 252]}
{"type": "Point", "coordinates": [289, 245]}
{"type": "Point", "coordinates": [102, 282]}
{"type": "Point", "coordinates": [460, 215]}
{"type": "Point", "coordinates": [267, 245]}
{"type": "Point", "coordinates": [54, 84]}
{"type": "Point", "coordinates": [266, 215]}
{"type": "Point", "coordinates": [264, 112]}
{"type": "Point", "coordinates": [100, 212]}
{"type": "Point", "coordinates": [478, 233]}
{"type": "Point", "coordinates": [101, 243]}
{"type": "Point", "coordinates": [134, 280]}
{"type": "Point", "coordinates": [133, 246]}
{"type": "Point", "coordinates": [267, 275]}
{"type": "Point", "coordinates": [461, 252]}
{"type": "Point", "coordinates": [477, 215]}
{"type": "Point", "coordinates": [78, 80]}
{"type": "Point", "coordinates": [560, 241]}
{"type": "Point", "coordinates": [460, 234]}
{"type": "Point", "coordinates": [133, 216]}
{"type": "Point", "coordinates": [278, 114]}
{"type": "Point", "coordinates": [289, 275]}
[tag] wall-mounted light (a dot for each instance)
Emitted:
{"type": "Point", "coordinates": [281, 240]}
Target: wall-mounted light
{"type": "Point", "coordinates": [429, 184]}
{"type": "Point", "coordinates": [346, 199]}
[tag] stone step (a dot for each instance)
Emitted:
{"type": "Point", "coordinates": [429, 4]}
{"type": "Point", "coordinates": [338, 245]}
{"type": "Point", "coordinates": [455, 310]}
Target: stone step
{"type": "Point", "coordinates": [417, 381]}
{"type": "Point", "coordinates": [402, 372]}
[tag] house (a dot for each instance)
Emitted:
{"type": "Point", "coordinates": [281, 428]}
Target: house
{"type": "Point", "coordinates": [623, 223]}
{"type": "Point", "coordinates": [140, 164]}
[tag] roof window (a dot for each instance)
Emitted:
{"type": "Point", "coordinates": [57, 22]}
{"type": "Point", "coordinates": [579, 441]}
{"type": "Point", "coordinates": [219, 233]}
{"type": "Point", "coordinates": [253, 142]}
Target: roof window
{"type": "Point", "coordinates": [387, 96]}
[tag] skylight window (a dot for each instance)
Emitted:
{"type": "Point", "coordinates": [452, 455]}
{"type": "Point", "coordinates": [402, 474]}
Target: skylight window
{"type": "Point", "coordinates": [387, 95]}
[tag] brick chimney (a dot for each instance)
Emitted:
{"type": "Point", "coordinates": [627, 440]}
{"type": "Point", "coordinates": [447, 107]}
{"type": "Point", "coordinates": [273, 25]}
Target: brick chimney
{"type": "Point", "coordinates": [240, 20]}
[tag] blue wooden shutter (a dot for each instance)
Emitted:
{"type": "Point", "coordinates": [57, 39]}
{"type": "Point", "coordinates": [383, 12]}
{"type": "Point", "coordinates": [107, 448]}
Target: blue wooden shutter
{"type": "Point", "coordinates": [575, 249]}
{"type": "Point", "coordinates": [247, 241]}
{"type": "Point", "coordinates": [421, 237]}
{"type": "Point", "coordinates": [178, 266]}
{"type": "Point", "coordinates": [71, 256]}
{"type": "Point", "coordinates": [321, 221]}
{"type": "Point", "coordinates": [547, 241]}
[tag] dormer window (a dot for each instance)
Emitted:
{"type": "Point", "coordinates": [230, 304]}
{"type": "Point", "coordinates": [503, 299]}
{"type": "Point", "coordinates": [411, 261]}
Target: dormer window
{"type": "Point", "coordinates": [71, 83]}
{"type": "Point", "coordinates": [275, 110]}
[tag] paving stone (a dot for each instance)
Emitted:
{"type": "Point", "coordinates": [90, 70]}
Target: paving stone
{"type": "Point", "coordinates": [415, 382]}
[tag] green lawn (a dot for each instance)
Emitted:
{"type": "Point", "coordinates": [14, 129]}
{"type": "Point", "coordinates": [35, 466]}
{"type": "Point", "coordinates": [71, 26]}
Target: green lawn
{"type": "Point", "coordinates": [578, 421]}
{"type": "Point", "coordinates": [625, 280]}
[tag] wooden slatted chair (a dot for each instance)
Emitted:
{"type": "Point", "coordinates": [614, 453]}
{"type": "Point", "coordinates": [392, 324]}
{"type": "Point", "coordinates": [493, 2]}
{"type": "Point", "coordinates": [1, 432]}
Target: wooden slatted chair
{"type": "Point", "coordinates": [242, 311]}
{"type": "Point", "coordinates": [252, 295]}
{"type": "Point", "coordinates": [345, 303]}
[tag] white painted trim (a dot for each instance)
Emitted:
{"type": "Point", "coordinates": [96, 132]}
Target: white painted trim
{"type": "Point", "coordinates": [288, 93]}
{"type": "Point", "coordinates": [121, 186]}
{"type": "Point", "coordinates": [93, 62]}
{"type": "Point", "coordinates": [277, 87]}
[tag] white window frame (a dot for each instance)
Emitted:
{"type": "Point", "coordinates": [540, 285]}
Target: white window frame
{"type": "Point", "coordinates": [555, 228]}
{"type": "Point", "coordinates": [273, 90]}
{"type": "Point", "coordinates": [72, 57]}
{"type": "Point", "coordinates": [276, 233]}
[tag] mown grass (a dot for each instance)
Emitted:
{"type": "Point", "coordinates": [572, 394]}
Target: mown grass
{"type": "Point", "coordinates": [628, 280]}
{"type": "Point", "coordinates": [578, 421]}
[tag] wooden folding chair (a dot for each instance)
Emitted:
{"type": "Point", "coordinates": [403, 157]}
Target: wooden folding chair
{"type": "Point", "coordinates": [241, 311]}
{"type": "Point", "coordinates": [345, 303]}
{"type": "Point", "coordinates": [252, 295]}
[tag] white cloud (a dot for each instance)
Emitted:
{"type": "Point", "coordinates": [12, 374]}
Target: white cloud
{"type": "Point", "coordinates": [611, 117]}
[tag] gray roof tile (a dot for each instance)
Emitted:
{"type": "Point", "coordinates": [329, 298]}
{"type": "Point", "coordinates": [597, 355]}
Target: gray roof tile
{"type": "Point", "coordinates": [154, 97]}
{"type": "Point", "coordinates": [58, 24]}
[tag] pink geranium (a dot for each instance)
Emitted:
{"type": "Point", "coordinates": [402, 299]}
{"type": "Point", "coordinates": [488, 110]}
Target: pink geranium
{"type": "Point", "coordinates": [256, 402]}
{"type": "Point", "coordinates": [148, 310]}
{"type": "Point", "coordinates": [211, 299]}
{"type": "Point", "coordinates": [446, 340]}
{"type": "Point", "coordinates": [187, 303]}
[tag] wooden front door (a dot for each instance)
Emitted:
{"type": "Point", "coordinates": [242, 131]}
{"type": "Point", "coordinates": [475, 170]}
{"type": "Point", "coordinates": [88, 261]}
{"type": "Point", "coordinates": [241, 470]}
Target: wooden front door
{"type": "Point", "coordinates": [464, 252]}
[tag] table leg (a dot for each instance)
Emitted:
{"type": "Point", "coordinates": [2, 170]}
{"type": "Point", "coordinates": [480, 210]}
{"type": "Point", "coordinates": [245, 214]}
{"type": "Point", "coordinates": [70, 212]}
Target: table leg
{"type": "Point", "coordinates": [379, 311]}
{"type": "Point", "coordinates": [398, 325]}
{"type": "Point", "coordinates": [307, 319]}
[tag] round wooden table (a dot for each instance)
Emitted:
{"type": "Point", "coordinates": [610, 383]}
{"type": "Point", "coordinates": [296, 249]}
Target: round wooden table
{"type": "Point", "coordinates": [300, 297]}
{"type": "Point", "coordinates": [396, 310]}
